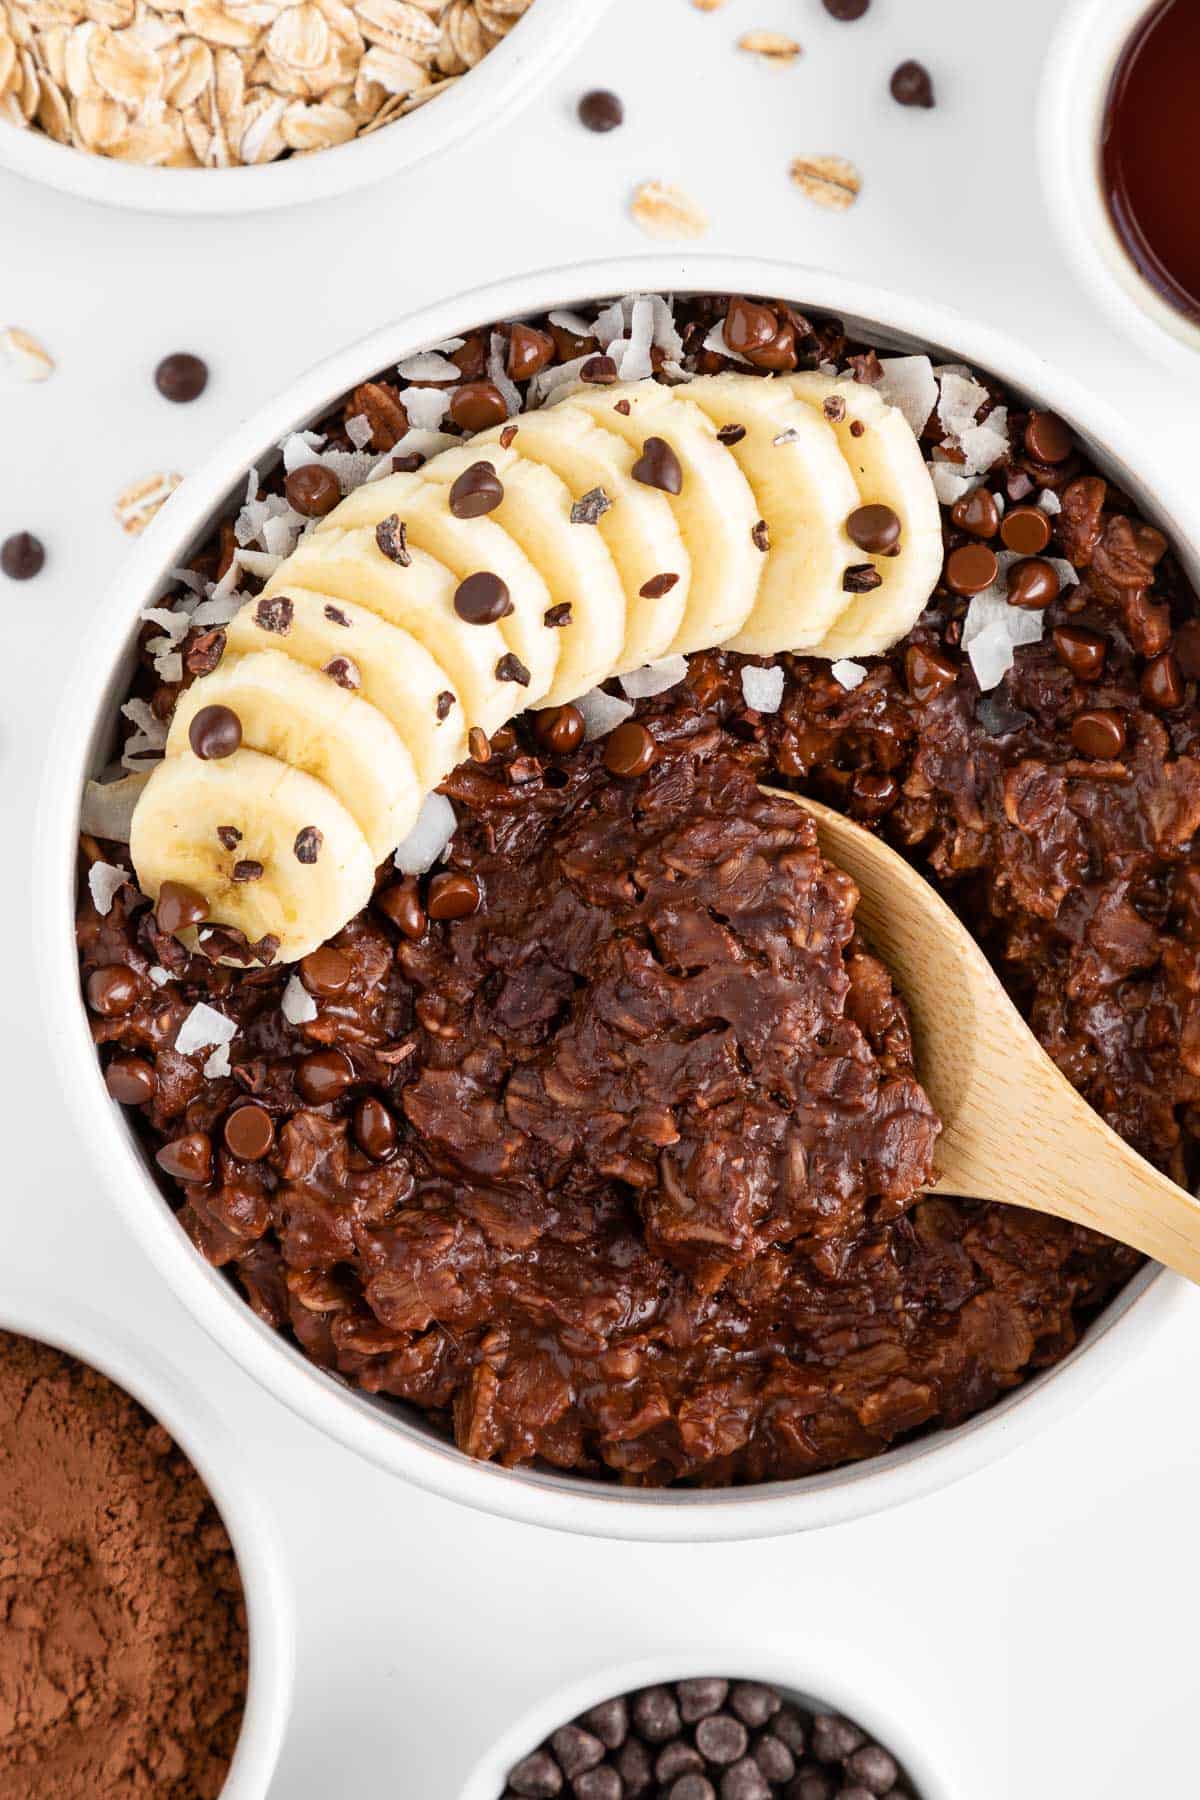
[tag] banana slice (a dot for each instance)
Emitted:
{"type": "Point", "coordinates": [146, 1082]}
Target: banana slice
{"type": "Point", "coordinates": [419, 598]}
{"type": "Point", "coordinates": [805, 492]}
{"type": "Point", "coordinates": [385, 666]}
{"type": "Point", "coordinates": [888, 468]}
{"type": "Point", "coordinates": [301, 717]}
{"type": "Point", "coordinates": [317, 869]}
{"type": "Point", "coordinates": [639, 527]}
{"type": "Point", "coordinates": [573, 560]}
{"type": "Point", "coordinates": [467, 547]}
{"type": "Point", "coordinates": [715, 508]}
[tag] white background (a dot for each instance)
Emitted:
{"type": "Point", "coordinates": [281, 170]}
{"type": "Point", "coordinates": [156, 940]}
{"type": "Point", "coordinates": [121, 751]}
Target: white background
{"type": "Point", "coordinates": [1042, 1613]}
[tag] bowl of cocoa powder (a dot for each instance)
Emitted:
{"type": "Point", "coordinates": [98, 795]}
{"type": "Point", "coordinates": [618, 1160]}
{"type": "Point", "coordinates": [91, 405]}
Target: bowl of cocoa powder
{"type": "Point", "coordinates": [146, 1642]}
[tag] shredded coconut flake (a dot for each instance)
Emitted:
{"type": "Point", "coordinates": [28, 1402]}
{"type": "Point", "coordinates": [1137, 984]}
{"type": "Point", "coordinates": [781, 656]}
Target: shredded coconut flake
{"type": "Point", "coordinates": [993, 630]}
{"type": "Point", "coordinates": [716, 341]}
{"type": "Point", "coordinates": [218, 1063]}
{"type": "Point", "coordinates": [427, 365]}
{"type": "Point", "coordinates": [204, 1026]}
{"type": "Point", "coordinates": [959, 403]}
{"type": "Point", "coordinates": [426, 407]}
{"type": "Point", "coordinates": [159, 976]}
{"type": "Point", "coordinates": [1049, 502]}
{"type": "Point", "coordinates": [577, 325]}
{"type": "Point", "coordinates": [498, 373]}
{"type": "Point", "coordinates": [949, 483]}
{"type": "Point", "coordinates": [104, 880]}
{"type": "Point", "coordinates": [655, 678]}
{"type": "Point", "coordinates": [107, 809]}
{"type": "Point", "coordinates": [666, 336]}
{"type": "Point", "coordinates": [547, 383]}
{"type": "Point", "coordinates": [359, 430]}
{"type": "Point", "coordinates": [435, 826]}
{"type": "Point", "coordinates": [300, 449]}
{"type": "Point", "coordinates": [849, 674]}
{"type": "Point", "coordinates": [297, 1006]}
{"type": "Point", "coordinates": [635, 364]}
{"type": "Point", "coordinates": [984, 445]}
{"type": "Point", "coordinates": [762, 689]}
{"type": "Point", "coordinates": [174, 623]}
{"type": "Point", "coordinates": [602, 712]}
{"type": "Point", "coordinates": [910, 385]}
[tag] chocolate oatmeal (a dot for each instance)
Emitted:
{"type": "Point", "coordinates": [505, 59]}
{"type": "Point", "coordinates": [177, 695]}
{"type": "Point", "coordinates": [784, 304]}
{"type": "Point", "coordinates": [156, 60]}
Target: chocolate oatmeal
{"type": "Point", "coordinates": [602, 1143]}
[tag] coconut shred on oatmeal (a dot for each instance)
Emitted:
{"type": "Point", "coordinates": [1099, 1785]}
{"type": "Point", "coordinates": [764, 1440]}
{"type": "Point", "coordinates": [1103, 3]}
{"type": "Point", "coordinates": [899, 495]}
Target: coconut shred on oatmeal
{"type": "Point", "coordinates": [562, 1138]}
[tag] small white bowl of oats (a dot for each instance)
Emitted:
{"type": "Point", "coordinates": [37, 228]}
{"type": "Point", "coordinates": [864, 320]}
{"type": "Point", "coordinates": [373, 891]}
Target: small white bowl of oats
{"type": "Point", "coordinates": [220, 106]}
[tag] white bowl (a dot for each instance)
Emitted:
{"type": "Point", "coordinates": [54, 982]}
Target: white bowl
{"type": "Point", "coordinates": [384, 1432]}
{"type": "Point", "coordinates": [1080, 65]}
{"type": "Point", "coordinates": [826, 1677]}
{"type": "Point", "coordinates": [200, 1434]}
{"type": "Point", "coordinates": [489, 94]}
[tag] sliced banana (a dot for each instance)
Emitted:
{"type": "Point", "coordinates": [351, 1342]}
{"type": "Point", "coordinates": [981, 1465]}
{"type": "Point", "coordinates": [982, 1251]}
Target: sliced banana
{"type": "Point", "coordinates": [715, 508]}
{"type": "Point", "coordinates": [418, 597]}
{"type": "Point", "coordinates": [317, 869]}
{"type": "Point", "coordinates": [301, 717]}
{"type": "Point", "coordinates": [889, 470]}
{"type": "Point", "coordinates": [573, 560]}
{"type": "Point", "coordinates": [467, 547]}
{"type": "Point", "coordinates": [639, 527]}
{"type": "Point", "coordinates": [805, 492]}
{"type": "Point", "coordinates": [386, 666]}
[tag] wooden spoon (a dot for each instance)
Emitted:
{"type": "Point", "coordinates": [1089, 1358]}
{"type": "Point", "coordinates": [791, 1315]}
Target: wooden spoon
{"type": "Point", "coordinates": [1014, 1129]}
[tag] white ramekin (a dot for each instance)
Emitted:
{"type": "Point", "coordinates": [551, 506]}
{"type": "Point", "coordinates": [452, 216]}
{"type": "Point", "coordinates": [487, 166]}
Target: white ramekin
{"type": "Point", "coordinates": [81, 743]}
{"type": "Point", "coordinates": [206, 1441]}
{"type": "Point", "coordinates": [1080, 65]}
{"type": "Point", "coordinates": [828, 1677]}
{"type": "Point", "coordinates": [487, 96]}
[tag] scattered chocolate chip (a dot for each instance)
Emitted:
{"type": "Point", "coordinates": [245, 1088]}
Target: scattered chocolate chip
{"type": "Point", "coordinates": [591, 507]}
{"type": "Point", "coordinates": [1032, 584]}
{"type": "Point", "coordinates": [445, 701]}
{"type": "Point", "coordinates": [754, 1703]}
{"type": "Point", "coordinates": [676, 1758]}
{"type": "Point", "coordinates": [1025, 529]}
{"type": "Point", "coordinates": [511, 668]}
{"type": "Point", "coordinates": [557, 616]}
{"type": "Point", "coordinates": [733, 434]}
{"type": "Point", "coordinates": [374, 1128]}
{"type": "Point", "coordinates": [749, 325]}
{"type": "Point", "coordinates": [629, 750]}
{"type": "Point", "coordinates": [1099, 733]}
{"type": "Point", "coordinates": [977, 513]}
{"type": "Point", "coordinates": [692, 1787]}
{"type": "Point", "coordinates": [1162, 682]}
{"type": "Point", "coordinates": [1081, 651]}
{"type": "Point", "coordinates": [482, 599]}
{"type": "Point", "coordinates": [598, 1784]}
{"type": "Point", "coordinates": [324, 1076]}
{"type": "Point", "coordinates": [701, 1696]}
{"type": "Point", "coordinates": [409, 463]}
{"type": "Point", "coordinates": [559, 728]}
{"type": "Point", "coordinates": [391, 535]}
{"type": "Point", "coordinates": [861, 578]}
{"type": "Point", "coordinates": [179, 907]}
{"type": "Point", "coordinates": [345, 671]}
{"type": "Point", "coordinates": [187, 1158]}
{"type": "Point", "coordinates": [657, 586]}
{"type": "Point", "coordinates": [478, 405]}
{"type": "Point", "coordinates": [846, 9]}
{"type": "Point", "coordinates": [927, 672]}
{"type": "Point", "coordinates": [835, 1738]}
{"type": "Point", "coordinates": [131, 1081]}
{"type": "Point", "coordinates": [721, 1739]}
{"type": "Point", "coordinates": [970, 569]}
{"type": "Point", "coordinates": [658, 467]}
{"type": "Point", "coordinates": [336, 616]}
{"type": "Point", "coordinates": [307, 846]}
{"type": "Point", "coordinates": [529, 352]}
{"type": "Point", "coordinates": [400, 904]}
{"type": "Point", "coordinates": [760, 536]}
{"type": "Point", "coordinates": [249, 1132]}
{"type": "Point", "coordinates": [247, 870]}
{"type": "Point", "coordinates": [312, 490]}
{"type": "Point", "coordinates": [601, 110]}
{"type": "Point", "coordinates": [478, 490]}
{"type": "Point", "coordinates": [655, 1713]}
{"type": "Point", "coordinates": [538, 1777]}
{"type": "Point", "coordinates": [326, 971]}
{"type": "Point", "coordinates": [875, 529]}
{"type": "Point", "coordinates": [774, 1759]}
{"type": "Point", "coordinates": [181, 377]}
{"type": "Point", "coordinates": [22, 556]}
{"type": "Point", "coordinates": [214, 733]}
{"type": "Point", "coordinates": [610, 1720]}
{"type": "Point", "coordinates": [623, 407]}
{"type": "Point", "coordinates": [857, 428]}
{"type": "Point", "coordinates": [912, 84]}
{"type": "Point", "coordinates": [1048, 438]}
{"type": "Point", "coordinates": [575, 1750]}
{"type": "Point", "coordinates": [275, 615]}
{"type": "Point", "coordinates": [452, 896]}
{"type": "Point", "coordinates": [873, 1768]}
{"type": "Point", "coordinates": [112, 991]}
{"type": "Point", "coordinates": [599, 371]}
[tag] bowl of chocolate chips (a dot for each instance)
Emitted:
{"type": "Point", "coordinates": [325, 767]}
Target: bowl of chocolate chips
{"type": "Point", "coordinates": [460, 1006]}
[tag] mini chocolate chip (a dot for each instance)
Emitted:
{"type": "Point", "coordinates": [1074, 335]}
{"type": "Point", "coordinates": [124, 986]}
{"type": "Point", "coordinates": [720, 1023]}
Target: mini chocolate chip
{"type": "Point", "coordinates": [275, 615]}
{"type": "Point", "coordinates": [511, 668]}
{"type": "Point", "coordinates": [374, 1128]}
{"type": "Point", "coordinates": [478, 747]}
{"type": "Point", "coordinates": [247, 870]}
{"type": "Point", "coordinates": [559, 728]}
{"type": "Point", "coordinates": [846, 9]}
{"type": "Point", "coordinates": [325, 971]}
{"type": "Point", "coordinates": [731, 434]}
{"type": "Point", "coordinates": [598, 1784]}
{"type": "Point", "coordinates": [529, 352]}
{"type": "Point", "coordinates": [591, 507]}
{"type": "Point", "coordinates": [400, 904]}
{"type": "Point", "coordinates": [623, 407]}
{"type": "Point", "coordinates": [760, 536]}
{"type": "Point", "coordinates": [445, 701]}
{"type": "Point", "coordinates": [112, 991]}
{"type": "Point", "coordinates": [249, 1132]}
{"type": "Point", "coordinates": [557, 616]}
{"type": "Point", "coordinates": [749, 325]}
{"type": "Point", "coordinates": [477, 491]}
{"type": "Point", "coordinates": [658, 467]}
{"type": "Point", "coordinates": [721, 1739]}
{"type": "Point", "coordinates": [1032, 584]}
{"type": "Point", "coordinates": [1048, 438]}
{"type": "Point", "coordinates": [977, 513]}
{"type": "Point", "coordinates": [873, 1769]}
{"type": "Point", "coordinates": [609, 1721]}
{"type": "Point", "coordinates": [409, 463]}
{"type": "Point", "coordinates": [744, 1781]}
{"type": "Point", "coordinates": [324, 1076]}
{"type": "Point", "coordinates": [861, 578]}
{"type": "Point", "coordinates": [601, 110]}
{"type": "Point", "coordinates": [336, 616]}
{"type": "Point", "coordinates": [692, 1787]}
{"type": "Point", "coordinates": [634, 1766]}
{"type": "Point", "coordinates": [875, 529]}
{"type": "Point", "coordinates": [834, 408]}
{"type": "Point", "coordinates": [655, 1714]}
{"type": "Point", "coordinates": [754, 1703]}
{"type": "Point", "coordinates": [774, 1759]}
{"type": "Point", "coordinates": [912, 84]}
{"type": "Point", "coordinates": [657, 586]}
{"type": "Point", "coordinates": [677, 1758]}
{"type": "Point", "coordinates": [835, 1738]}
{"type": "Point", "coordinates": [307, 846]}
{"type": "Point", "coordinates": [1025, 529]}
{"type": "Point", "coordinates": [1162, 683]}
{"type": "Point", "coordinates": [22, 556]}
{"type": "Point", "coordinates": [131, 1081]}
{"type": "Point", "coordinates": [312, 490]}
{"type": "Point", "coordinates": [453, 896]}
{"type": "Point", "coordinates": [230, 836]}
{"type": "Point", "coordinates": [478, 405]}
{"type": "Point", "coordinates": [482, 599]}
{"type": "Point", "coordinates": [187, 1158]}
{"type": "Point", "coordinates": [970, 569]}
{"type": "Point", "coordinates": [790, 1729]}
{"type": "Point", "coordinates": [575, 1750]}
{"type": "Point", "coordinates": [1081, 651]}
{"type": "Point", "coordinates": [181, 377]}
{"type": "Point", "coordinates": [702, 1695]}
{"type": "Point", "coordinates": [537, 1777]}
{"type": "Point", "coordinates": [1099, 733]}
{"type": "Point", "coordinates": [599, 371]}
{"type": "Point", "coordinates": [391, 535]}
{"type": "Point", "coordinates": [927, 672]}
{"type": "Point", "coordinates": [629, 750]}
{"type": "Point", "coordinates": [215, 732]}
{"type": "Point", "coordinates": [857, 428]}
{"type": "Point", "coordinates": [345, 671]}
{"type": "Point", "coordinates": [178, 907]}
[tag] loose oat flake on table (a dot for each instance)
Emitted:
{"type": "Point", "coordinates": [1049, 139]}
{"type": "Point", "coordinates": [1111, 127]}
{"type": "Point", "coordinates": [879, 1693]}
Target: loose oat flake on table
{"type": "Point", "coordinates": [218, 83]}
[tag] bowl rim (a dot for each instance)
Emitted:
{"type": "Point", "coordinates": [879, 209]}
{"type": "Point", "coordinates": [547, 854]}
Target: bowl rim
{"type": "Point", "coordinates": [86, 712]}
{"type": "Point", "coordinates": [838, 1674]}
{"type": "Point", "coordinates": [488, 94]}
{"type": "Point", "coordinates": [1080, 64]}
{"type": "Point", "coordinates": [157, 1384]}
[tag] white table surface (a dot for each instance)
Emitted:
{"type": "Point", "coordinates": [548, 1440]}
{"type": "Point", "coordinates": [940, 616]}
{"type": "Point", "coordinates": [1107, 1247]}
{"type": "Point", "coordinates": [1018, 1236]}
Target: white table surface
{"type": "Point", "coordinates": [1043, 1611]}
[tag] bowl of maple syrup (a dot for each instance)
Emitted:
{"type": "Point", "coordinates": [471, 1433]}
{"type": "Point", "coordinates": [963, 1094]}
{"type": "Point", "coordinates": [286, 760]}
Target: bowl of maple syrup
{"type": "Point", "coordinates": [1120, 148]}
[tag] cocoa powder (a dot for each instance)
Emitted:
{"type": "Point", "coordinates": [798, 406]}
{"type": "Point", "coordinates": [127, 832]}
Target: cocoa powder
{"type": "Point", "coordinates": [123, 1643]}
